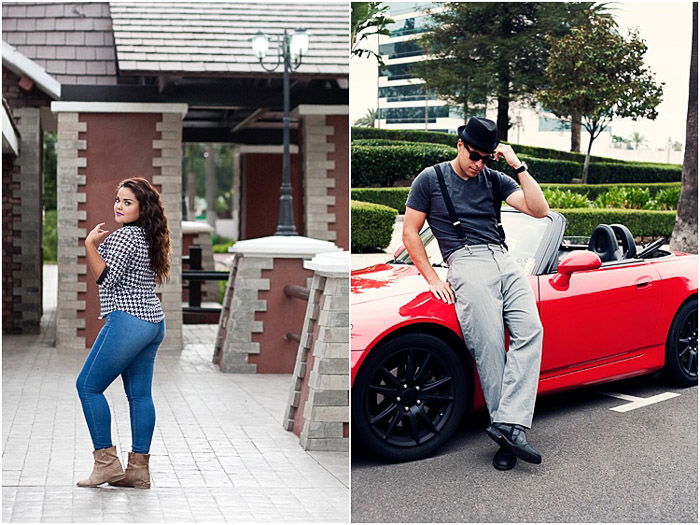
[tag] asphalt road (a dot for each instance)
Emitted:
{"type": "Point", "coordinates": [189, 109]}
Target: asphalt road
{"type": "Point", "coordinates": [598, 466]}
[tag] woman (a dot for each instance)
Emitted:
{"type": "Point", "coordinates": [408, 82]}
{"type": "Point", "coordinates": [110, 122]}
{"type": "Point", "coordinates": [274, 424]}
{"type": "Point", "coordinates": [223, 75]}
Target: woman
{"type": "Point", "coordinates": [127, 265]}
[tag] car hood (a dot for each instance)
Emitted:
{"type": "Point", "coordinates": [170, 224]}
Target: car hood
{"type": "Point", "coordinates": [387, 280]}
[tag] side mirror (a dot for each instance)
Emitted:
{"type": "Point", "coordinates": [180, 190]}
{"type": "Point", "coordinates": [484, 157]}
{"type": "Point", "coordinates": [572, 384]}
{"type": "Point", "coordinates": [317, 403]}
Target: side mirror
{"type": "Point", "coordinates": [579, 261]}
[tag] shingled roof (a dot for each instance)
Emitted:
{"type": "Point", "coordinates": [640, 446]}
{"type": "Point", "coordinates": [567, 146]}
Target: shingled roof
{"type": "Point", "coordinates": [213, 37]}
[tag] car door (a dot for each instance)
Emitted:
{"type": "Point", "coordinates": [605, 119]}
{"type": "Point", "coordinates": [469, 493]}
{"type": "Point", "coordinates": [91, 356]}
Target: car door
{"type": "Point", "coordinates": [602, 315]}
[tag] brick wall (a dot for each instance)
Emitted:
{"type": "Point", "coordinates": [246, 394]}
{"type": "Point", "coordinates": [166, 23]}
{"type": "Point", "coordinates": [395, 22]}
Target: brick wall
{"type": "Point", "coordinates": [17, 97]}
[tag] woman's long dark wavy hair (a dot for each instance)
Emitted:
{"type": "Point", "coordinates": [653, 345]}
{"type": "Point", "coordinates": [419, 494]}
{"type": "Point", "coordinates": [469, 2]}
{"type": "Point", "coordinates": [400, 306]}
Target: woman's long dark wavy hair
{"type": "Point", "coordinates": [154, 222]}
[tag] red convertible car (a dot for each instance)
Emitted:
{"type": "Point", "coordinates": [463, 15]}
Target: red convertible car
{"type": "Point", "coordinates": [609, 312]}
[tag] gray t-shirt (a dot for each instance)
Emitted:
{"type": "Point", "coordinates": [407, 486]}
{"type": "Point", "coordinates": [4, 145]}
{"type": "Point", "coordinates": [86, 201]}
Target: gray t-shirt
{"type": "Point", "coordinates": [472, 200]}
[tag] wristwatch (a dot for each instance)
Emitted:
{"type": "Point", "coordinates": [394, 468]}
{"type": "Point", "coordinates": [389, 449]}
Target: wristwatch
{"type": "Point", "coordinates": [522, 168]}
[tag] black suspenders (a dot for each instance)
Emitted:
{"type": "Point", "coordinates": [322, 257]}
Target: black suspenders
{"type": "Point", "coordinates": [495, 192]}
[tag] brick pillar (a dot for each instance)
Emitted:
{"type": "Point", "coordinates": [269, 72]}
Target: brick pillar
{"type": "Point", "coordinates": [25, 259]}
{"type": "Point", "coordinates": [169, 183]}
{"type": "Point", "coordinates": [318, 404]}
{"type": "Point", "coordinates": [71, 272]}
{"type": "Point", "coordinates": [317, 167]}
{"type": "Point", "coordinates": [98, 145]}
{"type": "Point", "coordinates": [257, 316]}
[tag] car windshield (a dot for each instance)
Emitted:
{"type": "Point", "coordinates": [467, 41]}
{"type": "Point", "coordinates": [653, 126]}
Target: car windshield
{"type": "Point", "coordinates": [523, 234]}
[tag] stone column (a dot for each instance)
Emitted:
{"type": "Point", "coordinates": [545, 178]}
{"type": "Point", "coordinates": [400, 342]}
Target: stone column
{"type": "Point", "coordinates": [318, 404]}
{"type": "Point", "coordinates": [98, 145]}
{"type": "Point", "coordinates": [324, 149]}
{"type": "Point", "coordinates": [258, 318]}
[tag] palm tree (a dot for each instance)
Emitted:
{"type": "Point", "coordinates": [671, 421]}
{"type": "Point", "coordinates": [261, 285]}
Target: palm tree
{"type": "Point", "coordinates": [685, 233]}
{"type": "Point", "coordinates": [637, 139]}
{"type": "Point", "coordinates": [368, 120]}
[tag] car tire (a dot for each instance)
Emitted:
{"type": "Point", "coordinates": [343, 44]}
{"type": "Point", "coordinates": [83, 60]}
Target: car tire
{"type": "Point", "coordinates": [409, 397]}
{"type": "Point", "coordinates": [682, 346]}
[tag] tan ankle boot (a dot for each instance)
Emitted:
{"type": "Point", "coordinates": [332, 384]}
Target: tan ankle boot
{"type": "Point", "coordinates": [137, 473]}
{"type": "Point", "coordinates": [107, 468]}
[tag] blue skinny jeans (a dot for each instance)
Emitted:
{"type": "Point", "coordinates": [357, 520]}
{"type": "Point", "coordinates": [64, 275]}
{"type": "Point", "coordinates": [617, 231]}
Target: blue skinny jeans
{"type": "Point", "coordinates": [126, 345]}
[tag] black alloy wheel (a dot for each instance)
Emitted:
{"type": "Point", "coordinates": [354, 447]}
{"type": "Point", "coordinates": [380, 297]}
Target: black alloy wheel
{"type": "Point", "coordinates": [409, 397]}
{"type": "Point", "coordinates": [682, 345]}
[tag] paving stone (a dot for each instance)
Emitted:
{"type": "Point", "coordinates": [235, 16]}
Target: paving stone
{"type": "Point", "coordinates": [219, 452]}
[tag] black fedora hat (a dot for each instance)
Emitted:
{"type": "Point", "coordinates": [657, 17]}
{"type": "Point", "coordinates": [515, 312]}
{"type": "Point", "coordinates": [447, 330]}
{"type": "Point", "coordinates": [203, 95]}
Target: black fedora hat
{"type": "Point", "coordinates": [480, 133]}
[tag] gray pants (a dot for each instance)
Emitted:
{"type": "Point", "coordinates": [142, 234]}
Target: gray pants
{"type": "Point", "coordinates": [491, 288]}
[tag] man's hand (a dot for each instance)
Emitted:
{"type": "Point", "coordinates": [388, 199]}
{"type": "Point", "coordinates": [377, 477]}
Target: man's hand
{"type": "Point", "coordinates": [442, 290]}
{"type": "Point", "coordinates": [506, 152]}
{"type": "Point", "coordinates": [96, 235]}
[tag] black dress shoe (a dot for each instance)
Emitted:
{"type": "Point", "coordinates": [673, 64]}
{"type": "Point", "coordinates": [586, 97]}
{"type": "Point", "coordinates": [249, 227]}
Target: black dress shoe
{"type": "Point", "coordinates": [513, 438]}
{"type": "Point", "coordinates": [504, 459]}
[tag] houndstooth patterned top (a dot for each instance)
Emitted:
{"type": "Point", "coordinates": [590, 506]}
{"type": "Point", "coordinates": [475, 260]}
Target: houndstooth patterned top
{"type": "Point", "coordinates": [128, 282]}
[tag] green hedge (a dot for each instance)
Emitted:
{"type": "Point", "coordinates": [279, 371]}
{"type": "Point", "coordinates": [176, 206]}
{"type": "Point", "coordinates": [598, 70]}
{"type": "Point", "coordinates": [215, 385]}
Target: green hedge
{"type": "Point", "coordinates": [450, 139]}
{"type": "Point", "coordinates": [372, 226]}
{"type": "Point", "coordinates": [391, 164]}
{"type": "Point", "coordinates": [640, 222]}
{"type": "Point", "coordinates": [386, 165]}
{"type": "Point", "coordinates": [608, 172]}
{"type": "Point", "coordinates": [392, 197]}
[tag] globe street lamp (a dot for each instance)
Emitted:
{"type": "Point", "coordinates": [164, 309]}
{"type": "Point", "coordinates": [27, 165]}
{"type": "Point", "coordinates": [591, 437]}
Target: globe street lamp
{"type": "Point", "coordinates": [290, 52]}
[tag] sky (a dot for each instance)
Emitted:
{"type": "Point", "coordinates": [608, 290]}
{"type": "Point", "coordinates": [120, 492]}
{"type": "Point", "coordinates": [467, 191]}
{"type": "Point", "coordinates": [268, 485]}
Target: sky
{"type": "Point", "coordinates": [666, 28]}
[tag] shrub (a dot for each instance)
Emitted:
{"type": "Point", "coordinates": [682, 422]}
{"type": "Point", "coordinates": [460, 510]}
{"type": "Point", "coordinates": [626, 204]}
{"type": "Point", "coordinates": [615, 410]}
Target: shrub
{"type": "Point", "coordinates": [593, 190]}
{"type": "Point", "coordinates": [50, 238]}
{"type": "Point", "coordinates": [620, 197]}
{"type": "Point", "coordinates": [565, 199]}
{"type": "Point", "coordinates": [608, 172]}
{"type": "Point", "coordinates": [372, 226]}
{"type": "Point", "coordinates": [640, 222]}
{"type": "Point", "coordinates": [392, 197]}
{"type": "Point", "coordinates": [667, 199]}
{"type": "Point", "coordinates": [387, 165]}
{"type": "Point", "coordinates": [450, 139]}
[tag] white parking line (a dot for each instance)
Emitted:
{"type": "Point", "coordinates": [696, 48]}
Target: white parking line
{"type": "Point", "coordinates": [638, 402]}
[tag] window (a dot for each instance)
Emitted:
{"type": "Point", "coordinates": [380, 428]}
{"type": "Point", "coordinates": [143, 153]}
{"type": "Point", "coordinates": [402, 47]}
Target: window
{"type": "Point", "coordinates": [402, 49]}
{"type": "Point", "coordinates": [402, 93]}
{"type": "Point", "coordinates": [412, 115]}
{"type": "Point", "coordinates": [410, 26]}
{"type": "Point", "coordinates": [397, 71]}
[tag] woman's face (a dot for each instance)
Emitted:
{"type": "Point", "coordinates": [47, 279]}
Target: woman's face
{"type": "Point", "coordinates": [126, 206]}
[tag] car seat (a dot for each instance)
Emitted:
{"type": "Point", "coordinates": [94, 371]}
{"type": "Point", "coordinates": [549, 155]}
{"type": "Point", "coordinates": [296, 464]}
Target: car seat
{"type": "Point", "coordinates": [629, 249]}
{"type": "Point", "coordinates": [604, 243]}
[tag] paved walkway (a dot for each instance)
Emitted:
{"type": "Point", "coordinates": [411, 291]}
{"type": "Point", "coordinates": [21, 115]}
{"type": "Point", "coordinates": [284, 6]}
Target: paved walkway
{"type": "Point", "coordinates": [219, 451]}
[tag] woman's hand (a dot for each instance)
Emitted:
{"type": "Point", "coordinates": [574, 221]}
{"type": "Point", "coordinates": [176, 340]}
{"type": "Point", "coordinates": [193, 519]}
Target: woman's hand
{"type": "Point", "coordinates": [97, 235]}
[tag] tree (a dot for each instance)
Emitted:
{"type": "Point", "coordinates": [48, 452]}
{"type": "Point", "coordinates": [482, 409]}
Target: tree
{"type": "Point", "coordinates": [600, 75]}
{"type": "Point", "coordinates": [637, 139]}
{"type": "Point", "coordinates": [368, 120]}
{"type": "Point", "coordinates": [685, 232]}
{"type": "Point", "coordinates": [494, 50]}
{"type": "Point", "coordinates": [367, 18]}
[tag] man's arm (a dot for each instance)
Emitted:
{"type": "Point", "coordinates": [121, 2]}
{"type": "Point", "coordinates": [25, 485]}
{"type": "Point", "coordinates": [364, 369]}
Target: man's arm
{"type": "Point", "coordinates": [413, 221]}
{"type": "Point", "coordinates": [529, 199]}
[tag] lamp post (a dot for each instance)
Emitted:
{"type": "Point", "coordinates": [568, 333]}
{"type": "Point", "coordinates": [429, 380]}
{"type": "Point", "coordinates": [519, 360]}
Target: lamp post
{"type": "Point", "coordinates": [290, 52]}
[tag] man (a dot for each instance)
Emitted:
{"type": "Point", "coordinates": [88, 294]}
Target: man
{"type": "Point", "coordinates": [486, 285]}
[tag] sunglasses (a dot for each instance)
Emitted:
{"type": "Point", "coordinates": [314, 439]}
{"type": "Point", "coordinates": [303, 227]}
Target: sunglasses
{"type": "Point", "coordinates": [473, 155]}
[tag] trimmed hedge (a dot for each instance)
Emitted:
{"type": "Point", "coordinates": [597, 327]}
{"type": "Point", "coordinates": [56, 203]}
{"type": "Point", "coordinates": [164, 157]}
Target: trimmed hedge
{"type": "Point", "coordinates": [608, 172]}
{"type": "Point", "coordinates": [385, 165]}
{"type": "Point", "coordinates": [640, 222]}
{"type": "Point", "coordinates": [372, 226]}
{"type": "Point", "coordinates": [450, 139]}
{"type": "Point", "coordinates": [392, 164]}
{"type": "Point", "coordinates": [392, 197]}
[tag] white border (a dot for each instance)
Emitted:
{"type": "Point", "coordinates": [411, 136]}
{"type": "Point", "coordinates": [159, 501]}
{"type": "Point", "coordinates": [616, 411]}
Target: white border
{"type": "Point", "coordinates": [118, 107]}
